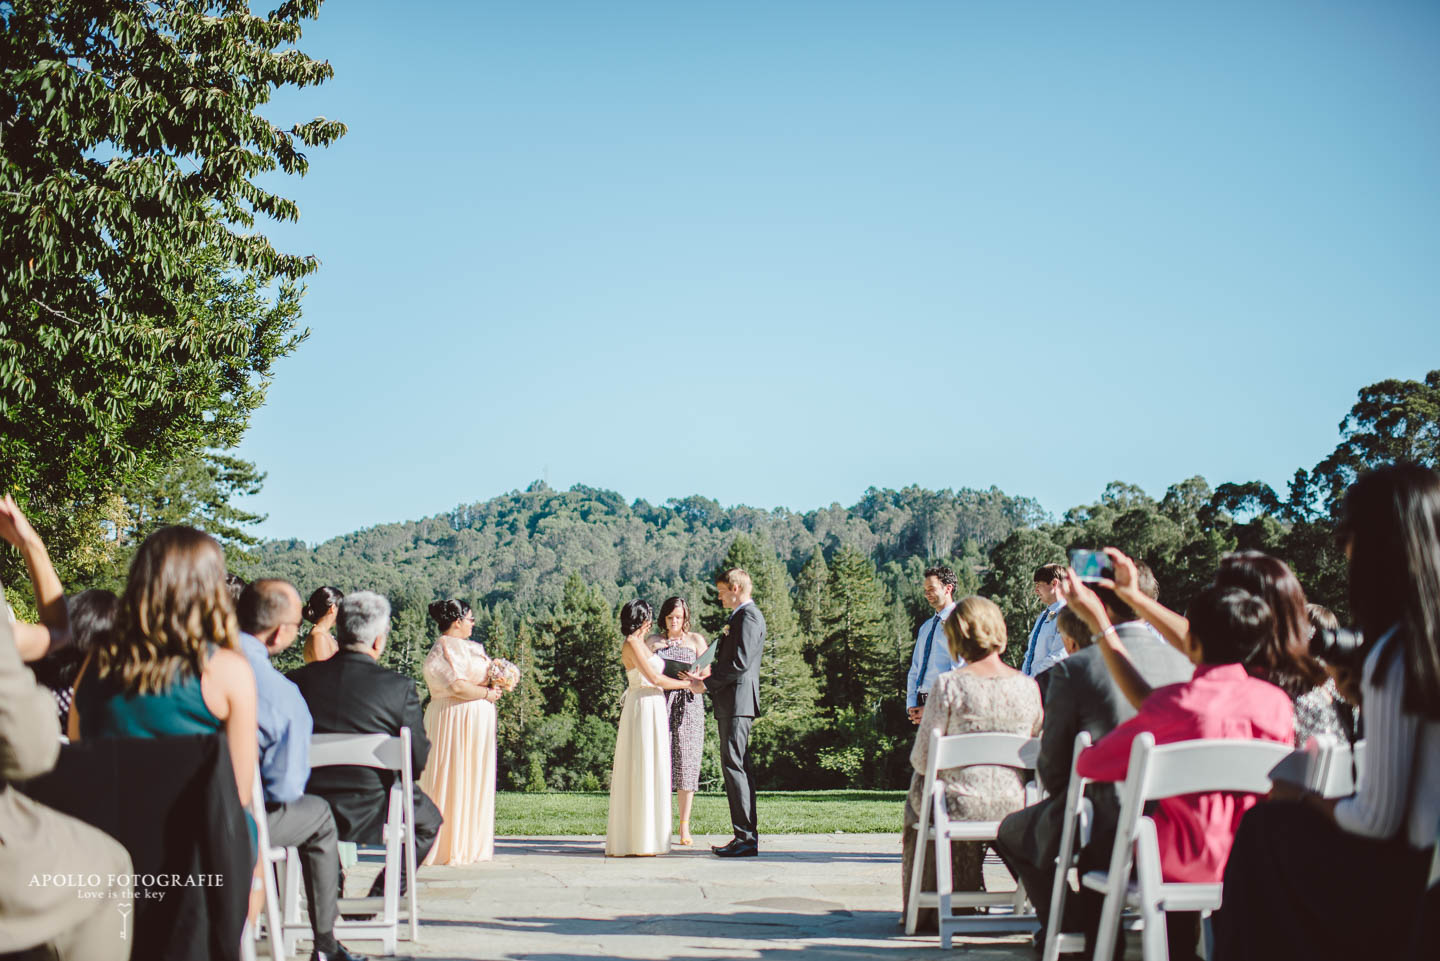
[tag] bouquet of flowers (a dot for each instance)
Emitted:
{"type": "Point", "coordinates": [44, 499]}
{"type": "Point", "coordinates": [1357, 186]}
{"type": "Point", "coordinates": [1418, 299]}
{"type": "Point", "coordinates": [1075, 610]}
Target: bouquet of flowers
{"type": "Point", "coordinates": [503, 675]}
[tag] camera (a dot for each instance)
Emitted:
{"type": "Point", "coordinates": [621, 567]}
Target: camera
{"type": "Point", "coordinates": [1091, 566]}
{"type": "Point", "coordinates": [1338, 646]}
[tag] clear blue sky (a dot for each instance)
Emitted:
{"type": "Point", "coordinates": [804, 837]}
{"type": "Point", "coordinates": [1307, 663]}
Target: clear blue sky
{"type": "Point", "coordinates": [778, 252]}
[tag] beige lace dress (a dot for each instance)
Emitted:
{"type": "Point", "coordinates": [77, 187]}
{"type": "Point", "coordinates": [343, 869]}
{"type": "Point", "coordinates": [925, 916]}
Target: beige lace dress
{"type": "Point", "coordinates": [962, 702]}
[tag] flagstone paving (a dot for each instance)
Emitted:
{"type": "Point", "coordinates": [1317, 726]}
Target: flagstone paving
{"type": "Point", "coordinates": [831, 896]}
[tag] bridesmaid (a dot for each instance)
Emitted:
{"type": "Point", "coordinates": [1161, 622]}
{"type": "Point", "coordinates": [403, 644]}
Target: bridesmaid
{"type": "Point", "coordinates": [460, 723]}
{"type": "Point", "coordinates": [639, 821]}
{"type": "Point", "coordinates": [321, 611]}
{"type": "Point", "coordinates": [685, 709]}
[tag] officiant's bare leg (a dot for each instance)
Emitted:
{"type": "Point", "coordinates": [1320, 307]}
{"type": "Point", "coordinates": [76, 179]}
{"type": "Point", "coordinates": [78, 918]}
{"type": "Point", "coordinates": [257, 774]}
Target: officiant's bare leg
{"type": "Point", "coordinates": [739, 779]}
{"type": "Point", "coordinates": [687, 798]}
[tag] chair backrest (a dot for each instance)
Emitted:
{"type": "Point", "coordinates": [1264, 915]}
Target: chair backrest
{"type": "Point", "coordinates": [385, 751]}
{"type": "Point", "coordinates": [1190, 767]}
{"type": "Point", "coordinates": [965, 750]}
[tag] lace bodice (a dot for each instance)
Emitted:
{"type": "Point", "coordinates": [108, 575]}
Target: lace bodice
{"type": "Point", "coordinates": [453, 659]}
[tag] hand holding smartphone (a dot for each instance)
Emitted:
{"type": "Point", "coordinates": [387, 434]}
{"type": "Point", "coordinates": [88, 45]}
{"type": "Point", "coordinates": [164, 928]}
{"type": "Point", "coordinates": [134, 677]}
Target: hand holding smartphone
{"type": "Point", "coordinates": [1091, 567]}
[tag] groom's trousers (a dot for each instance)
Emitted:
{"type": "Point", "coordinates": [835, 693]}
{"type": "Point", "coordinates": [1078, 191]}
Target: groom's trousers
{"type": "Point", "coordinates": [739, 779]}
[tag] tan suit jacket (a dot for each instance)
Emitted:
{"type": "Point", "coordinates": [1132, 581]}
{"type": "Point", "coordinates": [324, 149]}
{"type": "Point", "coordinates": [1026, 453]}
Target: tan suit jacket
{"type": "Point", "coordinates": [39, 846]}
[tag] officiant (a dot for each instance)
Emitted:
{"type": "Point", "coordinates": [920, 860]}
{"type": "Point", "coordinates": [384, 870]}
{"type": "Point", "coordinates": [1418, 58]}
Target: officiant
{"type": "Point", "coordinates": [685, 709]}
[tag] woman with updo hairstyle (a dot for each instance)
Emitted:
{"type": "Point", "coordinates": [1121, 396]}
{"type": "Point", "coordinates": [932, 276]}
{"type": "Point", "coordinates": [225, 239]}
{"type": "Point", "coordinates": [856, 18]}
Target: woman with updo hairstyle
{"type": "Point", "coordinates": [983, 694]}
{"type": "Point", "coordinates": [685, 709]}
{"type": "Point", "coordinates": [639, 821]}
{"type": "Point", "coordinates": [321, 611]}
{"type": "Point", "coordinates": [460, 723]}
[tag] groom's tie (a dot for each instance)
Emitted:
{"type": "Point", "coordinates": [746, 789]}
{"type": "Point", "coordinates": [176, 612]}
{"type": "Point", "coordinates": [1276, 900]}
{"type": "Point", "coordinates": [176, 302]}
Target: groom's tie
{"type": "Point", "coordinates": [1030, 648]}
{"type": "Point", "coordinates": [929, 645]}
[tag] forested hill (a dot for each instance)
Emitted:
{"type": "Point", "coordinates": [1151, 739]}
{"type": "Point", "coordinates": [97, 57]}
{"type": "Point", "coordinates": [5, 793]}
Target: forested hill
{"type": "Point", "coordinates": [519, 548]}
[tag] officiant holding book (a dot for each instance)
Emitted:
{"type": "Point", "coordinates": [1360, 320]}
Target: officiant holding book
{"type": "Point", "coordinates": [733, 683]}
{"type": "Point", "coordinates": [680, 645]}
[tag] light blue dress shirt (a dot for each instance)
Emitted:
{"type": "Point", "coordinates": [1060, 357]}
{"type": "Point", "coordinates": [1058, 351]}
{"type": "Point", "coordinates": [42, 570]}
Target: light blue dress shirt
{"type": "Point", "coordinates": [921, 676]}
{"type": "Point", "coordinates": [1046, 649]}
{"type": "Point", "coordinates": [284, 726]}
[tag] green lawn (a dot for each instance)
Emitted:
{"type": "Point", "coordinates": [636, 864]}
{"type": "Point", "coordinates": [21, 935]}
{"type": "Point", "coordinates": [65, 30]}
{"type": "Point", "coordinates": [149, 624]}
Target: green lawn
{"type": "Point", "coordinates": [780, 812]}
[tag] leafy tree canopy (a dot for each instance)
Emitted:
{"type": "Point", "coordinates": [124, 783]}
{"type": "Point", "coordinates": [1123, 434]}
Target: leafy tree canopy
{"type": "Point", "coordinates": [140, 313]}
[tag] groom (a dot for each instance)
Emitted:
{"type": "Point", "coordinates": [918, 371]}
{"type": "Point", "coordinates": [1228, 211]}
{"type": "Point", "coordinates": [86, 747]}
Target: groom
{"type": "Point", "coordinates": [733, 683]}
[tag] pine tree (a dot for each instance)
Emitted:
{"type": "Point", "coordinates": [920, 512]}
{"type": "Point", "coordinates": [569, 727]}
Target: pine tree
{"type": "Point", "coordinates": [812, 587]}
{"type": "Point", "coordinates": [856, 653]}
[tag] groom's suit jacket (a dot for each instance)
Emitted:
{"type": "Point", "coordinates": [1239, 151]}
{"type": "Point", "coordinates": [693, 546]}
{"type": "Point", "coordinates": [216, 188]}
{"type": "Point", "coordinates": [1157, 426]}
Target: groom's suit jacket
{"type": "Point", "coordinates": [734, 681]}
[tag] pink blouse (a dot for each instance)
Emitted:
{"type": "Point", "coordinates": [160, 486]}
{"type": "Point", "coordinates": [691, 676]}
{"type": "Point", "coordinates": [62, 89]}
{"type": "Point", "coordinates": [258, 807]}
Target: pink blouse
{"type": "Point", "coordinates": [1195, 831]}
{"type": "Point", "coordinates": [454, 659]}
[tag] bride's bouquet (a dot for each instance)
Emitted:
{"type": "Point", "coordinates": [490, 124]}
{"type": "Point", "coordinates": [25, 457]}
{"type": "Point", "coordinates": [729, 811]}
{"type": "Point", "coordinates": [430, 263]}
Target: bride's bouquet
{"type": "Point", "coordinates": [503, 675]}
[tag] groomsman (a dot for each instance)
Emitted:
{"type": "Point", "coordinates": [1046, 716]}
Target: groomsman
{"type": "Point", "coordinates": [931, 656]}
{"type": "Point", "coordinates": [1045, 648]}
{"type": "Point", "coordinates": [733, 683]}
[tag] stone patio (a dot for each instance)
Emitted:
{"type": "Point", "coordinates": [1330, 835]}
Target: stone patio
{"type": "Point", "coordinates": [830, 896]}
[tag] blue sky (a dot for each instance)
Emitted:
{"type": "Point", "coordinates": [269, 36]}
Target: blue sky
{"type": "Point", "coordinates": [778, 252]}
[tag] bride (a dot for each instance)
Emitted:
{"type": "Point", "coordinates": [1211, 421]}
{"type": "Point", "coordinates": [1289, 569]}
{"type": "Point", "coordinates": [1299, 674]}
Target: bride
{"type": "Point", "coordinates": [640, 780]}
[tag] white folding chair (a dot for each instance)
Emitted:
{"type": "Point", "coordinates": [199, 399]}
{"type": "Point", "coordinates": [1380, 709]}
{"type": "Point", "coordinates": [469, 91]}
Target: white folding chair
{"type": "Point", "coordinates": [269, 857]}
{"type": "Point", "coordinates": [1074, 836]}
{"type": "Point", "coordinates": [963, 750]}
{"type": "Point", "coordinates": [387, 753]}
{"type": "Point", "coordinates": [1156, 773]}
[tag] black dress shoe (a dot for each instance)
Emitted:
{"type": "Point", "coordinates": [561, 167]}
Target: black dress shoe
{"type": "Point", "coordinates": [339, 954]}
{"type": "Point", "coordinates": [737, 849]}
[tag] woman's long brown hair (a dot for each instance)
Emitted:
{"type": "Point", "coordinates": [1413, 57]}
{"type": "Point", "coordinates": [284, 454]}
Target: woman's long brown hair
{"type": "Point", "coordinates": [175, 605]}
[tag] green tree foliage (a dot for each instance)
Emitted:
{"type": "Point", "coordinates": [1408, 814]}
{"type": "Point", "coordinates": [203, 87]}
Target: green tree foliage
{"type": "Point", "coordinates": [855, 657]}
{"type": "Point", "coordinates": [140, 312]}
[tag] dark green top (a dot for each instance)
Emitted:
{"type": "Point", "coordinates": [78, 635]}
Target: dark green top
{"type": "Point", "coordinates": [179, 709]}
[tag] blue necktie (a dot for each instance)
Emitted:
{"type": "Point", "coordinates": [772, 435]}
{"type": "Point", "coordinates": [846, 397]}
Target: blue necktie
{"type": "Point", "coordinates": [1034, 636]}
{"type": "Point", "coordinates": [929, 645]}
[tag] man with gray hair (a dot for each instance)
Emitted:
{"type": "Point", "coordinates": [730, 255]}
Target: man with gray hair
{"type": "Point", "coordinates": [351, 693]}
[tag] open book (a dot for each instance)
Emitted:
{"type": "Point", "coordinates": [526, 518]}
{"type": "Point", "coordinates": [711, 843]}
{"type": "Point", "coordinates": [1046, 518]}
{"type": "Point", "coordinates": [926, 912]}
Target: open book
{"type": "Point", "coordinates": [676, 668]}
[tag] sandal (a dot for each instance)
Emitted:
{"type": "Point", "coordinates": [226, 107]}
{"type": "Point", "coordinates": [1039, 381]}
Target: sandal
{"type": "Point", "coordinates": [685, 839]}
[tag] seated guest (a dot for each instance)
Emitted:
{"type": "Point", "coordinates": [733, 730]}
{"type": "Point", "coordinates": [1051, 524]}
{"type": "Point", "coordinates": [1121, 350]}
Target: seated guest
{"type": "Point", "coordinates": [1284, 658]}
{"type": "Point", "coordinates": [985, 695]}
{"type": "Point", "coordinates": [1339, 878]}
{"type": "Point", "coordinates": [1074, 636]}
{"type": "Point", "coordinates": [1194, 832]}
{"type": "Point", "coordinates": [91, 614]}
{"type": "Point", "coordinates": [74, 916]}
{"type": "Point", "coordinates": [352, 694]}
{"type": "Point", "coordinates": [269, 615]}
{"type": "Point", "coordinates": [1081, 695]}
{"type": "Point", "coordinates": [53, 632]}
{"type": "Point", "coordinates": [172, 664]}
{"type": "Point", "coordinates": [1045, 647]}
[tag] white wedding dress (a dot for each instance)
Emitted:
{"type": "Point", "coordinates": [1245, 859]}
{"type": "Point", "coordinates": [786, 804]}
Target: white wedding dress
{"type": "Point", "coordinates": [640, 780]}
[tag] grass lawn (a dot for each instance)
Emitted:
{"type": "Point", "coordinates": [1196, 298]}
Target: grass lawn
{"type": "Point", "coordinates": [781, 812]}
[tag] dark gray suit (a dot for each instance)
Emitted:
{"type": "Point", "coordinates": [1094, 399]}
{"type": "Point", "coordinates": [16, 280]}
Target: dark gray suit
{"type": "Point", "coordinates": [734, 689]}
{"type": "Point", "coordinates": [1081, 696]}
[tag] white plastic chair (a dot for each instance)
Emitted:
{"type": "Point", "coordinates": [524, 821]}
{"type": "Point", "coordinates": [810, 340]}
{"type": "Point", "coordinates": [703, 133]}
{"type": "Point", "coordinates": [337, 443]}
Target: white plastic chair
{"type": "Point", "coordinates": [963, 750]}
{"type": "Point", "coordinates": [1074, 835]}
{"type": "Point", "coordinates": [388, 753]}
{"type": "Point", "coordinates": [1155, 773]}
{"type": "Point", "coordinates": [269, 856]}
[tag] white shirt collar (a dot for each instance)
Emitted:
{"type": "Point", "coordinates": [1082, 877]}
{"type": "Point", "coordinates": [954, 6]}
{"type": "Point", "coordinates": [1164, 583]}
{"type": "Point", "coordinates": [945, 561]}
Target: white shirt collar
{"type": "Point", "coordinates": [944, 612]}
{"type": "Point", "coordinates": [740, 605]}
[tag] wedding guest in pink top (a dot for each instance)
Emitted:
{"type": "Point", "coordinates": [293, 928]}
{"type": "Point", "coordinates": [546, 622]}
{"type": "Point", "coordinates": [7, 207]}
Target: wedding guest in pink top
{"type": "Point", "coordinates": [1222, 700]}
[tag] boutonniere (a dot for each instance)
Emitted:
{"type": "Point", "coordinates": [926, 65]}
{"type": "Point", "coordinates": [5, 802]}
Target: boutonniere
{"type": "Point", "coordinates": [723, 631]}
{"type": "Point", "coordinates": [1049, 616]}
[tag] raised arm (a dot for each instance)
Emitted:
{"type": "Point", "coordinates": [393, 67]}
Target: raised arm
{"type": "Point", "coordinates": [34, 641]}
{"type": "Point", "coordinates": [1172, 626]}
{"type": "Point", "coordinates": [1084, 602]}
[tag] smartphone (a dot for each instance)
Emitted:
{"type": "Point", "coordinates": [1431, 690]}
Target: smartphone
{"type": "Point", "coordinates": [1091, 566]}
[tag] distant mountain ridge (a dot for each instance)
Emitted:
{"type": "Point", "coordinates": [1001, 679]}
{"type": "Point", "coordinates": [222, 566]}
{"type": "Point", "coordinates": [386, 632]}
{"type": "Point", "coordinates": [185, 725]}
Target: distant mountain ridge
{"type": "Point", "coordinates": [521, 546]}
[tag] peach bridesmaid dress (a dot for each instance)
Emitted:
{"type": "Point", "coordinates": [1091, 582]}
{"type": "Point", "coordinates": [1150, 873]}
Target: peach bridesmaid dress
{"type": "Point", "coordinates": [460, 774]}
